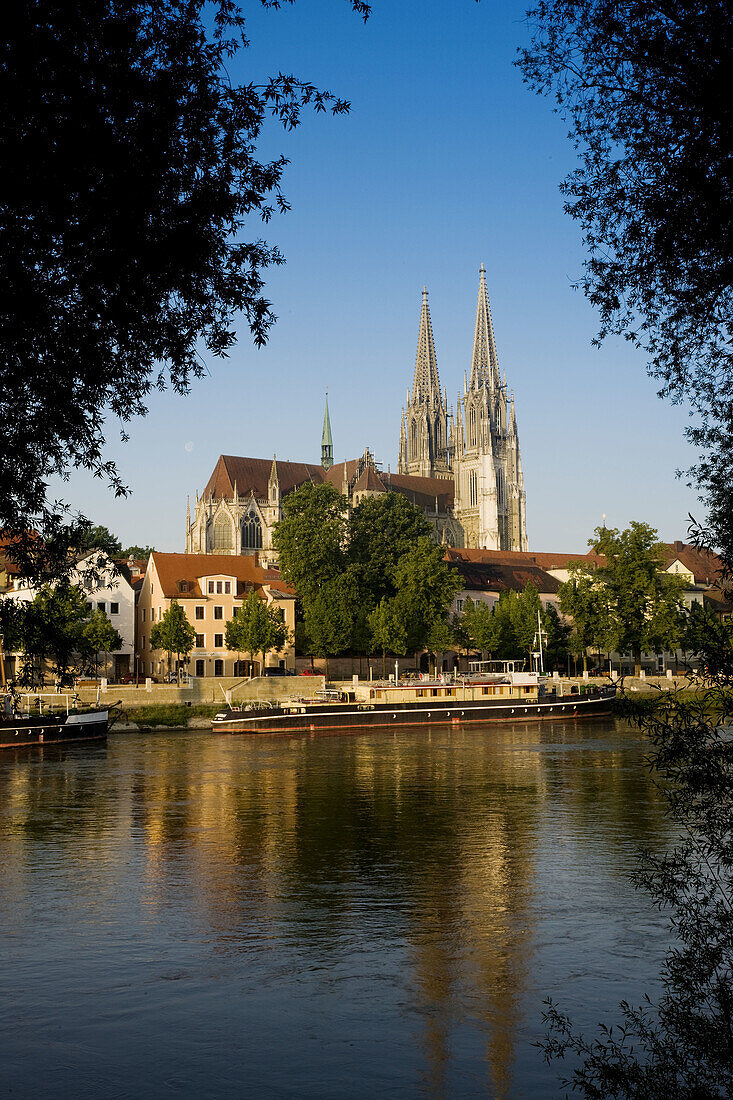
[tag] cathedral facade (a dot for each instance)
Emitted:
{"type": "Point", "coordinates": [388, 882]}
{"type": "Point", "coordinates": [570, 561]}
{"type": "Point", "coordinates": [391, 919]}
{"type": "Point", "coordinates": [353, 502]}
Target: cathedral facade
{"type": "Point", "coordinates": [478, 447]}
{"type": "Point", "coordinates": [463, 470]}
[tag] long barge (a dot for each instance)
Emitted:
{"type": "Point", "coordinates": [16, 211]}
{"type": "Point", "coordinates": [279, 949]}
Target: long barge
{"type": "Point", "coordinates": [513, 697]}
{"type": "Point", "coordinates": [21, 727]}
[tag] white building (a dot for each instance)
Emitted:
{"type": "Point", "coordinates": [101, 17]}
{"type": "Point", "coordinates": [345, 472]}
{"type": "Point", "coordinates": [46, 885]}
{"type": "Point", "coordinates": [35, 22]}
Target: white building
{"type": "Point", "coordinates": [107, 588]}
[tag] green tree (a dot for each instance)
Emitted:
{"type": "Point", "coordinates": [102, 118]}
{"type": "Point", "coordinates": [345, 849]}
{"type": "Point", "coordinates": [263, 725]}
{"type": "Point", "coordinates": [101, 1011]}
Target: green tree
{"type": "Point", "coordinates": [257, 627]}
{"type": "Point", "coordinates": [524, 611]}
{"type": "Point", "coordinates": [99, 538]}
{"type": "Point", "coordinates": [329, 618]}
{"type": "Point", "coordinates": [139, 553]}
{"type": "Point", "coordinates": [101, 637]}
{"type": "Point", "coordinates": [128, 221]}
{"type": "Point", "coordinates": [557, 642]}
{"type": "Point", "coordinates": [310, 539]}
{"type": "Point", "coordinates": [425, 587]}
{"type": "Point", "coordinates": [380, 530]}
{"type": "Point", "coordinates": [584, 598]}
{"type": "Point", "coordinates": [387, 630]}
{"type": "Point", "coordinates": [440, 639]}
{"type": "Point", "coordinates": [53, 630]}
{"type": "Point", "coordinates": [479, 624]}
{"type": "Point", "coordinates": [644, 88]}
{"type": "Point", "coordinates": [173, 633]}
{"type": "Point", "coordinates": [643, 600]}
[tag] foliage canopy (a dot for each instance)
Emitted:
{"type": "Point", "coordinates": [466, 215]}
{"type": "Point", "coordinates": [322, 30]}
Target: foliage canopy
{"type": "Point", "coordinates": [128, 223]}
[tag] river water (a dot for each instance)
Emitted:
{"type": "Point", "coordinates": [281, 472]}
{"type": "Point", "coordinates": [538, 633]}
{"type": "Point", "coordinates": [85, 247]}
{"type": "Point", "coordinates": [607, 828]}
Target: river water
{"type": "Point", "coordinates": [364, 915]}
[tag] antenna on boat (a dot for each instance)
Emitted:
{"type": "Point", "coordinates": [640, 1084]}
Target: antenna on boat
{"type": "Point", "coordinates": [537, 641]}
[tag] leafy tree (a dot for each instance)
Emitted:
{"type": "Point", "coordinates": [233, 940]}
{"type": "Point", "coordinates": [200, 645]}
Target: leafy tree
{"type": "Point", "coordinates": [52, 626]}
{"type": "Point", "coordinates": [128, 222]}
{"type": "Point", "coordinates": [380, 530]}
{"type": "Point", "coordinates": [645, 90]}
{"type": "Point", "coordinates": [310, 539]}
{"type": "Point", "coordinates": [139, 553]}
{"type": "Point", "coordinates": [643, 600]}
{"type": "Point", "coordinates": [584, 598]}
{"type": "Point", "coordinates": [329, 617]}
{"type": "Point", "coordinates": [173, 633]}
{"type": "Point", "coordinates": [440, 638]}
{"type": "Point", "coordinates": [257, 627]}
{"type": "Point", "coordinates": [479, 624]}
{"type": "Point", "coordinates": [99, 538]}
{"type": "Point", "coordinates": [425, 587]}
{"type": "Point", "coordinates": [101, 636]}
{"type": "Point", "coordinates": [524, 609]}
{"type": "Point", "coordinates": [710, 638]}
{"type": "Point", "coordinates": [388, 630]}
{"type": "Point", "coordinates": [557, 642]}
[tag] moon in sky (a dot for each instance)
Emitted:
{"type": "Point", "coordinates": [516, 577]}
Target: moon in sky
{"type": "Point", "coordinates": [189, 446]}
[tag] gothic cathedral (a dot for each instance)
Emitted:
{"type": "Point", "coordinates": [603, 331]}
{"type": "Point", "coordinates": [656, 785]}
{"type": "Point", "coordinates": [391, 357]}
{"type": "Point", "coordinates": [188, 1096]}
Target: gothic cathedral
{"type": "Point", "coordinates": [478, 448]}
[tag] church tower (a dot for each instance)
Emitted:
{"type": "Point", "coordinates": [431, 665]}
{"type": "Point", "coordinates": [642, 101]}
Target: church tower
{"type": "Point", "coordinates": [490, 497]}
{"type": "Point", "coordinates": [424, 429]}
{"type": "Point", "coordinates": [326, 440]}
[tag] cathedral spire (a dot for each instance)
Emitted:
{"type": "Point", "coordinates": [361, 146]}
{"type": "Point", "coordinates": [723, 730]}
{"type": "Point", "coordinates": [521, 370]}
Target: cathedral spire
{"type": "Point", "coordinates": [326, 440]}
{"type": "Point", "coordinates": [426, 380]}
{"type": "Point", "coordinates": [485, 362]}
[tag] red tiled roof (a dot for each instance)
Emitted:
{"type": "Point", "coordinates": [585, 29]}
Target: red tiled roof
{"type": "Point", "coordinates": [369, 481]}
{"type": "Point", "coordinates": [172, 569]}
{"type": "Point", "coordinates": [527, 557]}
{"type": "Point", "coordinates": [253, 475]}
{"type": "Point", "coordinates": [501, 577]}
{"type": "Point", "coordinates": [704, 566]}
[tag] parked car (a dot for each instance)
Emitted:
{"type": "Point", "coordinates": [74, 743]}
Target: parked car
{"type": "Point", "coordinates": [275, 672]}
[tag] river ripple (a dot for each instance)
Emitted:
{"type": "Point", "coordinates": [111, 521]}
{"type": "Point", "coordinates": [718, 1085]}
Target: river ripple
{"type": "Point", "coordinates": [323, 916]}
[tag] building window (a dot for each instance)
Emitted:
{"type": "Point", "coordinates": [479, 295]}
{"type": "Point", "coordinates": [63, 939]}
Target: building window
{"type": "Point", "coordinates": [199, 641]}
{"type": "Point", "coordinates": [114, 609]}
{"type": "Point", "coordinates": [222, 535]}
{"type": "Point", "coordinates": [472, 428]}
{"type": "Point", "coordinates": [152, 614]}
{"type": "Point", "coordinates": [218, 641]}
{"type": "Point", "coordinates": [227, 588]}
{"type": "Point", "coordinates": [459, 605]}
{"type": "Point", "coordinates": [199, 612]}
{"type": "Point", "coordinates": [89, 608]}
{"type": "Point", "coordinates": [218, 612]}
{"type": "Point", "coordinates": [199, 668]}
{"type": "Point", "coordinates": [143, 642]}
{"type": "Point", "coordinates": [472, 488]}
{"type": "Point", "coordinates": [211, 588]}
{"type": "Point", "coordinates": [102, 606]}
{"type": "Point", "coordinates": [251, 532]}
{"type": "Point", "coordinates": [218, 588]}
{"type": "Point", "coordinates": [184, 586]}
{"type": "Point", "coordinates": [143, 613]}
{"type": "Point", "coordinates": [218, 668]}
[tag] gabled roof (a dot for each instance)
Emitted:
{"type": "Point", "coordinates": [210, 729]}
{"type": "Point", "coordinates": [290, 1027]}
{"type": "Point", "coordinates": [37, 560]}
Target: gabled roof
{"type": "Point", "coordinates": [253, 475]}
{"type": "Point", "coordinates": [369, 481]}
{"type": "Point", "coordinates": [501, 577]}
{"type": "Point", "coordinates": [423, 490]}
{"type": "Point", "coordinates": [172, 569]}
{"type": "Point", "coordinates": [704, 566]}
{"type": "Point", "coordinates": [524, 557]}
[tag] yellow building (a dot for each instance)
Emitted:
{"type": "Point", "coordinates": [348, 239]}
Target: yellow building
{"type": "Point", "coordinates": [209, 588]}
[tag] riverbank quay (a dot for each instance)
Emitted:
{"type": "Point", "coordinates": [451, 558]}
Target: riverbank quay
{"type": "Point", "coordinates": [192, 705]}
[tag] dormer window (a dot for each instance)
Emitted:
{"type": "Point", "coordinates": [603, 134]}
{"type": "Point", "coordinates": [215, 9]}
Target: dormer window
{"type": "Point", "coordinates": [183, 586]}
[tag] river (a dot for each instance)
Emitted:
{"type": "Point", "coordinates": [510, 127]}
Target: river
{"type": "Point", "coordinates": [363, 915]}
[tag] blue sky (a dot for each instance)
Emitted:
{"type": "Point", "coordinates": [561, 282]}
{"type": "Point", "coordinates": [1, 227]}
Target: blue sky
{"type": "Point", "coordinates": [446, 160]}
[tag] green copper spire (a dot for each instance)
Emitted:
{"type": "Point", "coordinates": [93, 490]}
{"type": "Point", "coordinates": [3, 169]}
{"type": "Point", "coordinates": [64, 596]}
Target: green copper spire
{"type": "Point", "coordinates": [326, 440]}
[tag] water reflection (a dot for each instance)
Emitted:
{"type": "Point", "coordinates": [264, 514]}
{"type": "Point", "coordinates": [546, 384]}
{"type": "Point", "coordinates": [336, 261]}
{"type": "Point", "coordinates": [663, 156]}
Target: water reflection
{"type": "Point", "coordinates": [397, 879]}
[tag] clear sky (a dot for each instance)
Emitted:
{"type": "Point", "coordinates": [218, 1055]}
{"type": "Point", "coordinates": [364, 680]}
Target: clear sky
{"type": "Point", "coordinates": [446, 160]}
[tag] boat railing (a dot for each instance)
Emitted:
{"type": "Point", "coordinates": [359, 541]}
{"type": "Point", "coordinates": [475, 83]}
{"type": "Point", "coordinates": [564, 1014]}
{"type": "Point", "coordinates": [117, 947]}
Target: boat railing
{"type": "Point", "coordinates": [34, 702]}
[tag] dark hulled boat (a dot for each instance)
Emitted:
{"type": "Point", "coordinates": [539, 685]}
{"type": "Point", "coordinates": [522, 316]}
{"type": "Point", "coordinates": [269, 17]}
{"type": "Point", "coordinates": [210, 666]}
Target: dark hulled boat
{"type": "Point", "coordinates": [59, 723]}
{"type": "Point", "coordinates": [508, 697]}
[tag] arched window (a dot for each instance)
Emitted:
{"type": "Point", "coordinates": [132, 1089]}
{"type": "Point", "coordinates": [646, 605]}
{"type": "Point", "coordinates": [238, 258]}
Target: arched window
{"type": "Point", "coordinates": [413, 440]}
{"type": "Point", "coordinates": [222, 535]}
{"type": "Point", "coordinates": [472, 488]}
{"type": "Point", "coordinates": [472, 427]}
{"type": "Point", "coordinates": [251, 532]}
